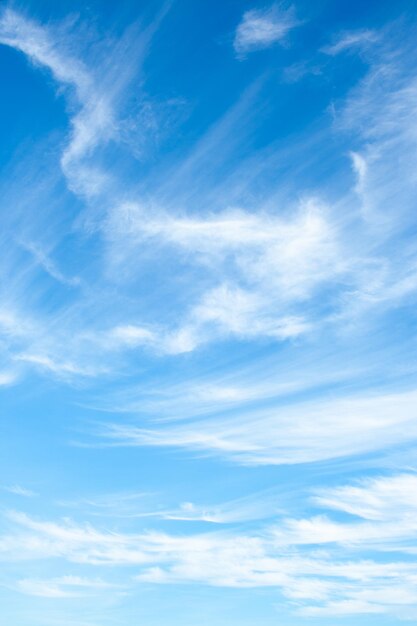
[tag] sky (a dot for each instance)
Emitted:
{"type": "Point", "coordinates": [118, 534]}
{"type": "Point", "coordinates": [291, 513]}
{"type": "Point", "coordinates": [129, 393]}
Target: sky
{"type": "Point", "coordinates": [208, 312]}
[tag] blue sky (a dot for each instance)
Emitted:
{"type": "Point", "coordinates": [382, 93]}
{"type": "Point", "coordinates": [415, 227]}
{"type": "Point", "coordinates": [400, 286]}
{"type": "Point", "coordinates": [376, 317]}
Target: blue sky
{"type": "Point", "coordinates": [207, 313]}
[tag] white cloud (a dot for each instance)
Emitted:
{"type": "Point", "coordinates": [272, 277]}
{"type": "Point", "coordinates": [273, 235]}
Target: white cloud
{"type": "Point", "coordinates": [8, 378]}
{"type": "Point", "coordinates": [96, 88]}
{"type": "Point", "coordinates": [21, 491]}
{"type": "Point", "coordinates": [298, 433]}
{"type": "Point", "coordinates": [48, 265]}
{"type": "Point", "coordinates": [276, 377]}
{"type": "Point", "coordinates": [272, 263]}
{"type": "Point", "coordinates": [273, 270]}
{"type": "Point", "coordinates": [263, 28]}
{"type": "Point", "coordinates": [58, 367]}
{"type": "Point", "coordinates": [231, 312]}
{"type": "Point", "coordinates": [287, 554]}
{"type": "Point", "coordinates": [360, 168]}
{"type": "Point", "coordinates": [131, 336]}
{"type": "Point", "coordinates": [131, 505]}
{"type": "Point", "coordinates": [63, 587]}
{"type": "Point", "coordinates": [358, 40]}
{"type": "Point", "coordinates": [376, 499]}
{"type": "Point", "coordinates": [94, 121]}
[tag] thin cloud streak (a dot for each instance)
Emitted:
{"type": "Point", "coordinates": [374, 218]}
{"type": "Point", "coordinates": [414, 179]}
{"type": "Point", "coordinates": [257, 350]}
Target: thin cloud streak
{"type": "Point", "coordinates": [283, 555]}
{"type": "Point", "coordinates": [299, 433]}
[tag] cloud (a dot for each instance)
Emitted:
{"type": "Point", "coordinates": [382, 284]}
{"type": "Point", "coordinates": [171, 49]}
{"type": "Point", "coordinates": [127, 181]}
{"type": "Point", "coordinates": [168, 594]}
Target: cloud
{"type": "Point", "coordinates": [314, 562]}
{"type": "Point", "coordinates": [263, 28]}
{"type": "Point", "coordinates": [63, 587]}
{"type": "Point", "coordinates": [272, 263]}
{"type": "Point", "coordinates": [58, 367]}
{"type": "Point", "coordinates": [21, 491]}
{"type": "Point", "coordinates": [256, 507]}
{"type": "Point", "coordinates": [254, 268]}
{"type": "Point", "coordinates": [229, 311]}
{"type": "Point", "coordinates": [304, 255]}
{"type": "Point", "coordinates": [125, 336]}
{"type": "Point", "coordinates": [256, 243]}
{"type": "Point", "coordinates": [375, 499]}
{"type": "Point", "coordinates": [354, 40]}
{"type": "Point", "coordinates": [95, 120]}
{"type": "Point", "coordinates": [95, 88]}
{"type": "Point", "coordinates": [301, 432]}
{"type": "Point", "coordinates": [48, 265]}
{"type": "Point", "coordinates": [130, 505]}
{"type": "Point", "coordinates": [360, 167]}
{"type": "Point", "coordinates": [8, 378]}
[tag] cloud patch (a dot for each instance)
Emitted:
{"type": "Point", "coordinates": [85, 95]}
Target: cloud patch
{"type": "Point", "coordinates": [263, 28]}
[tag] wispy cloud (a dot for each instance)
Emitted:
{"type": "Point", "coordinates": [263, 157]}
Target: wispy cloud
{"type": "Point", "coordinates": [354, 40]}
{"type": "Point", "coordinates": [56, 366]}
{"type": "Point", "coordinates": [275, 271]}
{"type": "Point", "coordinates": [283, 555]}
{"type": "Point", "coordinates": [48, 265]}
{"type": "Point", "coordinates": [63, 587]}
{"type": "Point", "coordinates": [136, 506]}
{"type": "Point", "coordinates": [262, 28]}
{"type": "Point", "coordinates": [384, 498]}
{"type": "Point", "coordinates": [259, 250]}
{"type": "Point", "coordinates": [20, 491]}
{"type": "Point", "coordinates": [95, 119]}
{"type": "Point", "coordinates": [240, 295]}
{"type": "Point", "coordinates": [96, 88]}
{"type": "Point", "coordinates": [299, 433]}
{"type": "Point", "coordinates": [8, 378]}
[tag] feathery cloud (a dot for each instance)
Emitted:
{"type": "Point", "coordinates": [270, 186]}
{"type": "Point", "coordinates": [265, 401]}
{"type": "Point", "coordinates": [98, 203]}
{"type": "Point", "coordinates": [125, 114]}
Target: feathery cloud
{"type": "Point", "coordinates": [283, 555]}
{"type": "Point", "coordinates": [262, 28]}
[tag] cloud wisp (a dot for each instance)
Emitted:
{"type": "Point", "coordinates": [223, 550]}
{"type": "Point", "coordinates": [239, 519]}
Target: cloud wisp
{"type": "Point", "coordinates": [262, 28]}
{"type": "Point", "coordinates": [335, 581]}
{"type": "Point", "coordinates": [270, 272]}
{"type": "Point", "coordinates": [299, 433]}
{"type": "Point", "coordinates": [230, 290]}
